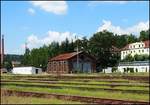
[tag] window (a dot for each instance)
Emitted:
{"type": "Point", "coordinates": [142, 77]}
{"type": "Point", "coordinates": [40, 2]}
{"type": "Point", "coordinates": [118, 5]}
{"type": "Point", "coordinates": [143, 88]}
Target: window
{"type": "Point", "coordinates": [131, 51]}
{"type": "Point", "coordinates": [139, 50]}
{"type": "Point", "coordinates": [142, 50]}
{"type": "Point", "coordinates": [134, 46]}
{"type": "Point", "coordinates": [139, 45]}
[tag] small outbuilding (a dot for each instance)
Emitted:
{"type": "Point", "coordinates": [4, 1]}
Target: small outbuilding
{"type": "Point", "coordinates": [72, 63]}
{"type": "Point", "coordinates": [26, 70]}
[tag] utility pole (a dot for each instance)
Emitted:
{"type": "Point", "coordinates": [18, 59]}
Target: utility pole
{"type": "Point", "coordinates": [77, 54]}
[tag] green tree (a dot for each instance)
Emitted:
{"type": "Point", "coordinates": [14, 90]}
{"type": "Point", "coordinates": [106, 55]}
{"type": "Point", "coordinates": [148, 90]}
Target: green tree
{"type": "Point", "coordinates": [100, 46]}
{"type": "Point", "coordinates": [144, 35]}
{"type": "Point", "coordinates": [8, 65]}
{"type": "Point", "coordinates": [129, 58]}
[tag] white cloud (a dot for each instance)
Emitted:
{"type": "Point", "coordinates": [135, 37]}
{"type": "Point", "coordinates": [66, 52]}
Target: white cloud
{"type": "Point", "coordinates": [135, 29]}
{"type": "Point", "coordinates": [56, 7]}
{"type": "Point", "coordinates": [93, 3]}
{"type": "Point", "coordinates": [31, 11]}
{"type": "Point", "coordinates": [34, 42]}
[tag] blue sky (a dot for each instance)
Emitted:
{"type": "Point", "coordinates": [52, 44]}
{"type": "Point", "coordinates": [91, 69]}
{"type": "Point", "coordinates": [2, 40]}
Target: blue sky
{"type": "Point", "coordinates": [39, 23]}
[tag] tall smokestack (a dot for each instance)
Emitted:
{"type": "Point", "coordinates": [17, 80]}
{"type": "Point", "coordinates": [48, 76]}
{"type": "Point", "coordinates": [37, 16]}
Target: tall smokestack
{"type": "Point", "coordinates": [0, 52]}
{"type": "Point", "coordinates": [2, 49]}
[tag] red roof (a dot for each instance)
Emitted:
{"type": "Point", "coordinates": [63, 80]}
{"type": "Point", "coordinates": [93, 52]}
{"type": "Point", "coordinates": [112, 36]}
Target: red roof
{"type": "Point", "coordinates": [115, 49]}
{"type": "Point", "coordinates": [64, 56]}
{"type": "Point", "coordinates": [147, 43]}
{"type": "Point", "coordinates": [126, 47]}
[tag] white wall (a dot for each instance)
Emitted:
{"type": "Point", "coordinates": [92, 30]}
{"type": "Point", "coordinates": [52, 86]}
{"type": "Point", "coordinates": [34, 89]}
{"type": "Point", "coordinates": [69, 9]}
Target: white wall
{"type": "Point", "coordinates": [135, 48]}
{"type": "Point", "coordinates": [139, 68]}
{"type": "Point", "coordinates": [107, 70]}
{"type": "Point", "coordinates": [26, 70]}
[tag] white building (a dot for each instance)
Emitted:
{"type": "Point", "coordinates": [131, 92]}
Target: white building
{"type": "Point", "coordinates": [137, 66]}
{"type": "Point", "coordinates": [135, 48]}
{"type": "Point", "coordinates": [107, 70]}
{"type": "Point", "coordinates": [26, 70]}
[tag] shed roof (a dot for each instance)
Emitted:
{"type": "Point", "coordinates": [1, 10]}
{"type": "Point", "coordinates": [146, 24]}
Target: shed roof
{"type": "Point", "coordinates": [67, 56]}
{"type": "Point", "coordinates": [64, 56]}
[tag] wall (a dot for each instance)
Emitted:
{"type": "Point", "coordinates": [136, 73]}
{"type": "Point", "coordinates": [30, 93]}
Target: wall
{"type": "Point", "coordinates": [139, 68]}
{"type": "Point", "coordinates": [25, 70]}
{"type": "Point", "coordinates": [58, 67]}
{"type": "Point", "coordinates": [135, 48]}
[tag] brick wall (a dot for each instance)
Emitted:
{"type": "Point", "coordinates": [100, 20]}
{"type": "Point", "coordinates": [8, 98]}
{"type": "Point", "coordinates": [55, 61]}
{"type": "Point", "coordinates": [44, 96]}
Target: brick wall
{"type": "Point", "coordinates": [58, 67]}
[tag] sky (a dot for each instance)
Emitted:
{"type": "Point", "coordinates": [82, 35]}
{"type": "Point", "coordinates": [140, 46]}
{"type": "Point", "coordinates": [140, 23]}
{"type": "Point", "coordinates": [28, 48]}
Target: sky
{"type": "Point", "coordinates": [42, 22]}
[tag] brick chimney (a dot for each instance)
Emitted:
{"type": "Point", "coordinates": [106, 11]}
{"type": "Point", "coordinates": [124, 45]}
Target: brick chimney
{"type": "Point", "coordinates": [1, 50]}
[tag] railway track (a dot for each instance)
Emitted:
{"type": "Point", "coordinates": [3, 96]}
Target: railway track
{"type": "Point", "coordinates": [137, 78]}
{"type": "Point", "coordinates": [89, 100]}
{"type": "Point", "coordinates": [69, 83]}
{"type": "Point", "coordinates": [75, 87]}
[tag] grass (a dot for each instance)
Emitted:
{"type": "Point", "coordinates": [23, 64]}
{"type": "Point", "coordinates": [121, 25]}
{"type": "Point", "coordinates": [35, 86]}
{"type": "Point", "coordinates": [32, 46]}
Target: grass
{"type": "Point", "coordinates": [83, 74]}
{"type": "Point", "coordinates": [104, 82]}
{"type": "Point", "coordinates": [100, 94]}
{"type": "Point", "coordinates": [33, 100]}
{"type": "Point", "coordinates": [66, 83]}
{"type": "Point", "coordinates": [78, 86]}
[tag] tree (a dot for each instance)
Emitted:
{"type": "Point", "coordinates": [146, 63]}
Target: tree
{"type": "Point", "coordinates": [26, 58]}
{"type": "Point", "coordinates": [132, 38]}
{"type": "Point", "coordinates": [144, 35]}
{"type": "Point", "coordinates": [129, 58]}
{"type": "Point", "coordinates": [100, 47]}
{"type": "Point", "coordinates": [8, 65]}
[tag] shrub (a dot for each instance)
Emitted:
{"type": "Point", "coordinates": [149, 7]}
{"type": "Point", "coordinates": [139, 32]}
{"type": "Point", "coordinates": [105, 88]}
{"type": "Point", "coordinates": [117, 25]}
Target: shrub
{"type": "Point", "coordinates": [131, 70]}
{"type": "Point", "coordinates": [114, 69]}
{"type": "Point", "coordinates": [129, 58]}
{"type": "Point", "coordinates": [136, 70]}
{"type": "Point", "coordinates": [125, 70]}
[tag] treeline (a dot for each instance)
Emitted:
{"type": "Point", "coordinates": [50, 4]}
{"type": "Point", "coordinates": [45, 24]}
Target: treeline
{"type": "Point", "coordinates": [8, 58]}
{"type": "Point", "coordinates": [99, 45]}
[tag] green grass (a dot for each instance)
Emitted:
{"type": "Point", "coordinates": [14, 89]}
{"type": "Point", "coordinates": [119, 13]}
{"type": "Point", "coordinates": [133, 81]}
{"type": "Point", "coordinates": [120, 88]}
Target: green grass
{"type": "Point", "coordinates": [104, 82]}
{"type": "Point", "coordinates": [84, 86]}
{"type": "Point", "coordinates": [33, 100]}
{"type": "Point", "coordinates": [100, 94]}
{"type": "Point", "coordinates": [78, 75]}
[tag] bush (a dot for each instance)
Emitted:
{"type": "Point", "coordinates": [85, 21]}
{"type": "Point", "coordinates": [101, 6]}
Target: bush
{"type": "Point", "coordinates": [125, 70]}
{"type": "Point", "coordinates": [114, 69]}
{"type": "Point", "coordinates": [131, 70]}
{"type": "Point", "coordinates": [136, 70]}
{"type": "Point", "coordinates": [129, 58]}
{"type": "Point", "coordinates": [142, 57]}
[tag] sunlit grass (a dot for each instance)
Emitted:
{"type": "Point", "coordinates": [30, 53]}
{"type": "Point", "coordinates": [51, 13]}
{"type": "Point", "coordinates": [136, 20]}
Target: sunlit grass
{"type": "Point", "coordinates": [33, 100]}
{"type": "Point", "coordinates": [77, 86]}
{"type": "Point", "coordinates": [100, 94]}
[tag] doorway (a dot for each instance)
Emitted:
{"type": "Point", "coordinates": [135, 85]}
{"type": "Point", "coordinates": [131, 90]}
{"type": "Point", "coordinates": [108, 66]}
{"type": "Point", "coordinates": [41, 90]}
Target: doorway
{"type": "Point", "coordinates": [36, 71]}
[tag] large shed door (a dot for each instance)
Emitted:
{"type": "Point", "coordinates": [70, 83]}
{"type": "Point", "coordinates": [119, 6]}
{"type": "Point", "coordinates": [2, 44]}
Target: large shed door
{"type": "Point", "coordinates": [87, 67]}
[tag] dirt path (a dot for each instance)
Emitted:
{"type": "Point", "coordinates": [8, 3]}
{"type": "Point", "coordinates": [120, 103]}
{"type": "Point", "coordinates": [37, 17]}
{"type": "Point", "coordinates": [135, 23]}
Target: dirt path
{"type": "Point", "coordinates": [89, 100]}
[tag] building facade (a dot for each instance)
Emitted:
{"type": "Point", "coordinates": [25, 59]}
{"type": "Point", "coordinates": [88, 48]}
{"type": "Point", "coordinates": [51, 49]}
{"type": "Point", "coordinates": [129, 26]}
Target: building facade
{"type": "Point", "coordinates": [137, 66]}
{"type": "Point", "coordinates": [135, 48]}
{"type": "Point", "coordinates": [26, 70]}
{"type": "Point", "coordinates": [71, 63]}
